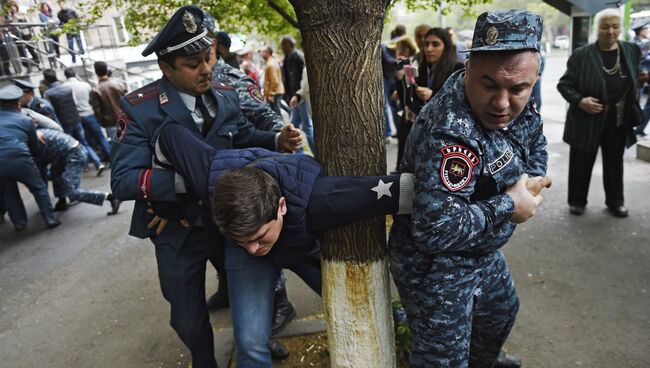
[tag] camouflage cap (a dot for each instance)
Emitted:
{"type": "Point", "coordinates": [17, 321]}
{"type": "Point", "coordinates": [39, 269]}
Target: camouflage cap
{"type": "Point", "coordinates": [504, 30]}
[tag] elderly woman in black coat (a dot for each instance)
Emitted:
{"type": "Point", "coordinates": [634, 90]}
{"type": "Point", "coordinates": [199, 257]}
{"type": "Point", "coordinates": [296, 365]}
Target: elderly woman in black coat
{"type": "Point", "coordinates": [600, 85]}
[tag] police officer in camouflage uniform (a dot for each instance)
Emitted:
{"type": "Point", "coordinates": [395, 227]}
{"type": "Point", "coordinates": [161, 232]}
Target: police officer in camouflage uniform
{"type": "Point", "coordinates": [479, 158]}
{"type": "Point", "coordinates": [68, 159]}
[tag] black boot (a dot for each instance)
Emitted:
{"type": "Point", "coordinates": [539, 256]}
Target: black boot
{"type": "Point", "coordinates": [219, 300]}
{"type": "Point", "coordinates": [505, 360]}
{"type": "Point", "coordinates": [283, 311]}
{"type": "Point", "coordinates": [278, 351]}
{"type": "Point", "coordinates": [61, 205]}
{"type": "Point", "coordinates": [115, 204]}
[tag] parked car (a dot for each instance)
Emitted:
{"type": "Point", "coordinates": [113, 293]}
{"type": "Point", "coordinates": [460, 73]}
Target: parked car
{"type": "Point", "coordinates": [561, 42]}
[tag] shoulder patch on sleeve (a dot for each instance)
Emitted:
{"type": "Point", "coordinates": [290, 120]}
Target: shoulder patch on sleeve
{"type": "Point", "coordinates": [254, 92]}
{"type": "Point", "coordinates": [122, 126]}
{"type": "Point", "coordinates": [142, 94]}
{"type": "Point", "coordinates": [219, 85]}
{"type": "Point", "coordinates": [456, 166]}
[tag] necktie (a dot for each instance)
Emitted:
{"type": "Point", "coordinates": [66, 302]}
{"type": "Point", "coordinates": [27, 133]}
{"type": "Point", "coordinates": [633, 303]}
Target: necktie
{"type": "Point", "coordinates": [205, 114]}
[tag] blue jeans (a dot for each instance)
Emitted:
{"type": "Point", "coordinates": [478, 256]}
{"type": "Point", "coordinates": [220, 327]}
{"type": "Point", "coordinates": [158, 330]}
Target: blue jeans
{"type": "Point", "coordinates": [300, 119]}
{"type": "Point", "coordinates": [71, 38]}
{"type": "Point", "coordinates": [92, 125]}
{"type": "Point", "coordinates": [251, 284]}
{"type": "Point", "coordinates": [77, 131]}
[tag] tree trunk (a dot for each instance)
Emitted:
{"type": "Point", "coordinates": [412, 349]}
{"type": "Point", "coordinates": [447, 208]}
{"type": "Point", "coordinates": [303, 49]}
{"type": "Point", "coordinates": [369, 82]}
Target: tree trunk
{"type": "Point", "coordinates": [341, 40]}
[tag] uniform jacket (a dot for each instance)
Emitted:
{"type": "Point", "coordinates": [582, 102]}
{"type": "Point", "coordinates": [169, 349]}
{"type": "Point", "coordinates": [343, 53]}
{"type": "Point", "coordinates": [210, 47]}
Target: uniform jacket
{"type": "Point", "coordinates": [585, 77]}
{"type": "Point", "coordinates": [17, 135]}
{"type": "Point", "coordinates": [64, 104]}
{"type": "Point", "coordinates": [292, 73]}
{"type": "Point", "coordinates": [296, 175]}
{"type": "Point", "coordinates": [135, 177]}
{"type": "Point", "coordinates": [105, 100]}
{"type": "Point", "coordinates": [44, 107]}
{"type": "Point", "coordinates": [253, 105]}
{"type": "Point", "coordinates": [461, 172]}
{"type": "Point", "coordinates": [57, 145]}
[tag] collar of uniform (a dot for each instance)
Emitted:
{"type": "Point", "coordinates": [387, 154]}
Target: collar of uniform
{"type": "Point", "coordinates": [188, 100]}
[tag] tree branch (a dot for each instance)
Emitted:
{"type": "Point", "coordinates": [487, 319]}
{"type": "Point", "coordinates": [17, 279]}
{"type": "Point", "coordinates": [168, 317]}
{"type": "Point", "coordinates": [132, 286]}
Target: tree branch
{"type": "Point", "coordinates": [283, 13]}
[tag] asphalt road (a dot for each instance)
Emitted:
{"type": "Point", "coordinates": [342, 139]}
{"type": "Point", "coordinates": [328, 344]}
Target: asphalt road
{"type": "Point", "coordinates": [87, 295]}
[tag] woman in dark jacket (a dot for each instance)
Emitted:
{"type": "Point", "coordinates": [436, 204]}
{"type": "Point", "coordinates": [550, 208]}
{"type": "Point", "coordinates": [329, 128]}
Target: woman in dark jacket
{"type": "Point", "coordinates": [439, 63]}
{"type": "Point", "coordinates": [600, 85]}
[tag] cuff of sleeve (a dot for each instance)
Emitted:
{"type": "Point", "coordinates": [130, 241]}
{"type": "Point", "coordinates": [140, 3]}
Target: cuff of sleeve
{"type": "Point", "coordinates": [503, 207]}
{"type": "Point", "coordinates": [276, 140]}
{"type": "Point", "coordinates": [405, 194]}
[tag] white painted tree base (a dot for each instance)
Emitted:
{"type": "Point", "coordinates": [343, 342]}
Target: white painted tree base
{"type": "Point", "coordinates": [359, 314]}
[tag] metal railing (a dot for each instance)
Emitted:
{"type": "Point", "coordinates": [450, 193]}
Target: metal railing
{"type": "Point", "coordinates": [27, 48]}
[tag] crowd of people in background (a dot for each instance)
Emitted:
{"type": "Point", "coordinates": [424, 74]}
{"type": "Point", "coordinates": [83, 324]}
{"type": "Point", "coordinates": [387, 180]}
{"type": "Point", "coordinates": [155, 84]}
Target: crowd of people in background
{"type": "Point", "coordinates": [72, 122]}
{"type": "Point", "coordinates": [21, 41]}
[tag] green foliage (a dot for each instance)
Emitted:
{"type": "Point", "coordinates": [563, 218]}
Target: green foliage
{"type": "Point", "coordinates": [143, 18]}
{"type": "Point", "coordinates": [403, 339]}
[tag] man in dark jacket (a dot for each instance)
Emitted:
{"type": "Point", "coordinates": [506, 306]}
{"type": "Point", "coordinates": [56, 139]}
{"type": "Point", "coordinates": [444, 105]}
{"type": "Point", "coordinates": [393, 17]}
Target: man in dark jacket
{"type": "Point", "coordinates": [273, 205]}
{"type": "Point", "coordinates": [65, 15]}
{"type": "Point", "coordinates": [65, 105]}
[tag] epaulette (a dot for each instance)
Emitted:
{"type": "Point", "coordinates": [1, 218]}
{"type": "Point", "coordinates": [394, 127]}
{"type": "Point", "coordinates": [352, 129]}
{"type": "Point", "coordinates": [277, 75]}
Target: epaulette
{"type": "Point", "coordinates": [143, 94]}
{"type": "Point", "coordinates": [219, 85]}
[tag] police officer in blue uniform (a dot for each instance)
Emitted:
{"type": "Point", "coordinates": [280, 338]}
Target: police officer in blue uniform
{"type": "Point", "coordinates": [18, 144]}
{"type": "Point", "coordinates": [274, 205]}
{"type": "Point", "coordinates": [185, 95]}
{"type": "Point", "coordinates": [479, 158]}
{"type": "Point", "coordinates": [33, 102]}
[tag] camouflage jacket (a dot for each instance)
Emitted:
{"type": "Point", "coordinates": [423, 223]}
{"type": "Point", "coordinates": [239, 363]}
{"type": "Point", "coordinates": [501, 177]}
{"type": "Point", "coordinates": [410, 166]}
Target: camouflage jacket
{"type": "Point", "coordinates": [461, 173]}
{"type": "Point", "coordinates": [251, 101]}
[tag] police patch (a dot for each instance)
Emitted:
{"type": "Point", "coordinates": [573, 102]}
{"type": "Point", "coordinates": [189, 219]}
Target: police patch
{"type": "Point", "coordinates": [255, 93]}
{"type": "Point", "coordinates": [456, 167]}
{"type": "Point", "coordinates": [501, 162]}
{"type": "Point", "coordinates": [122, 127]}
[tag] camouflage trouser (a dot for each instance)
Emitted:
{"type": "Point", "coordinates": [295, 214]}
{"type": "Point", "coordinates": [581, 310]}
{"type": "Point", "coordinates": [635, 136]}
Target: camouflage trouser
{"type": "Point", "coordinates": [66, 178]}
{"type": "Point", "coordinates": [461, 313]}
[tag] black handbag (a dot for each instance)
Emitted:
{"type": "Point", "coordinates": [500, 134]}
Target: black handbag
{"type": "Point", "coordinates": [636, 117]}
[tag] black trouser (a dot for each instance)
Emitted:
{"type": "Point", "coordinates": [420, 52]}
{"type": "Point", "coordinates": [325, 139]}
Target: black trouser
{"type": "Point", "coordinates": [182, 280]}
{"type": "Point", "coordinates": [581, 164]}
{"type": "Point", "coordinates": [403, 130]}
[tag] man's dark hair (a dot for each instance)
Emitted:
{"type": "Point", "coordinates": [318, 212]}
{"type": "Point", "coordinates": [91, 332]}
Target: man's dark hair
{"type": "Point", "coordinates": [244, 199]}
{"type": "Point", "coordinates": [101, 69]}
{"type": "Point", "coordinates": [50, 76]}
{"type": "Point", "coordinates": [288, 39]}
{"type": "Point", "coordinates": [269, 49]}
{"type": "Point", "coordinates": [69, 73]}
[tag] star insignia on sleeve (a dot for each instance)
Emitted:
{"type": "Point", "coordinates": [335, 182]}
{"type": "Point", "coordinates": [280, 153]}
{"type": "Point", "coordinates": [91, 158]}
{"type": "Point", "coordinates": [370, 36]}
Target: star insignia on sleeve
{"type": "Point", "coordinates": [382, 189]}
{"type": "Point", "coordinates": [140, 95]}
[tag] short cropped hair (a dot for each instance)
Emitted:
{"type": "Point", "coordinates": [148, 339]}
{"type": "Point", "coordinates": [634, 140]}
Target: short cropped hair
{"type": "Point", "coordinates": [101, 69]}
{"type": "Point", "coordinates": [69, 73]}
{"type": "Point", "coordinates": [244, 199]}
{"type": "Point", "coordinates": [50, 76]}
